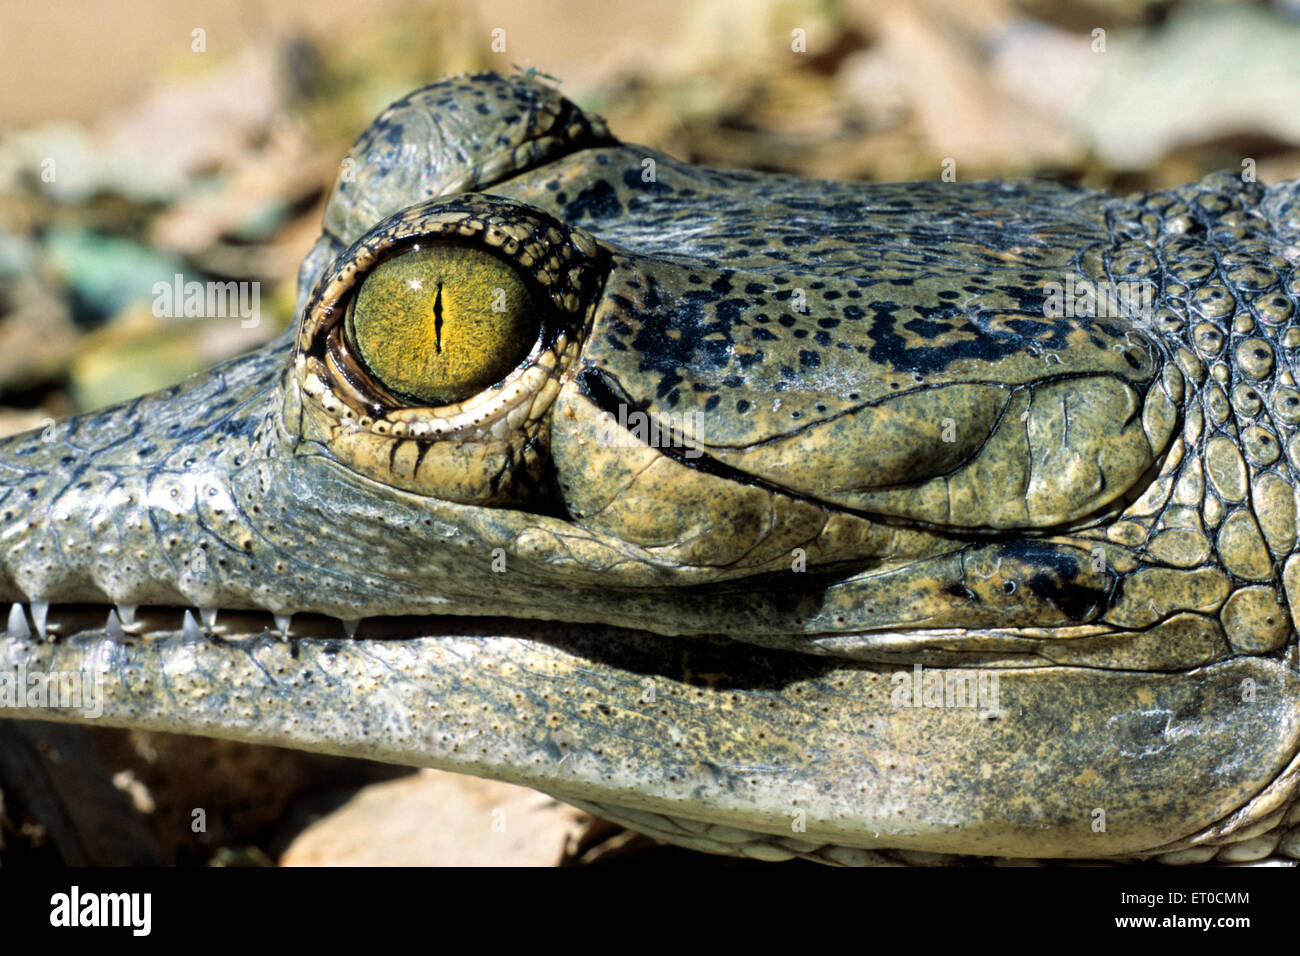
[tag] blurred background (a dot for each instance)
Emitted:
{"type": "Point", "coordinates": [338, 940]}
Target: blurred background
{"type": "Point", "coordinates": [141, 139]}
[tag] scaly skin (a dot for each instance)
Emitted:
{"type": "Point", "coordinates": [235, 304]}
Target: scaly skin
{"type": "Point", "coordinates": [893, 453]}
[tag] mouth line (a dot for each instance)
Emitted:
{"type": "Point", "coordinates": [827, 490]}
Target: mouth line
{"type": "Point", "coordinates": [55, 622]}
{"type": "Point", "coordinates": [622, 654]}
{"type": "Point", "coordinates": [710, 662]}
{"type": "Point", "coordinates": [41, 620]}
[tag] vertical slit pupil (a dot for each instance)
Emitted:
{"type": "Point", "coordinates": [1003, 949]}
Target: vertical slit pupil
{"type": "Point", "coordinates": [437, 320]}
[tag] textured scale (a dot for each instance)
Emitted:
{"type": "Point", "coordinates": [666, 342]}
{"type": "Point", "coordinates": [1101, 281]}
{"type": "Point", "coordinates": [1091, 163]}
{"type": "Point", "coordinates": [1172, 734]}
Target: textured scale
{"type": "Point", "coordinates": [1224, 314]}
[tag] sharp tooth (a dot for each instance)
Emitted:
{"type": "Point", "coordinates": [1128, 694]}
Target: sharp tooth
{"type": "Point", "coordinates": [190, 628]}
{"type": "Point", "coordinates": [126, 614]}
{"type": "Point", "coordinates": [208, 616]}
{"type": "Point", "coordinates": [282, 623]}
{"type": "Point", "coordinates": [18, 623]}
{"type": "Point", "coordinates": [350, 625]}
{"type": "Point", "coordinates": [40, 612]}
{"type": "Point", "coordinates": [113, 627]}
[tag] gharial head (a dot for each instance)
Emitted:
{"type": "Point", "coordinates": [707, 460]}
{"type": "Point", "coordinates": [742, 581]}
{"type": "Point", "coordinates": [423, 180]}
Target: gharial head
{"type": "Point", "coordinates": [809, 413]}
{"type": "Point", "coordinates": [543, 375]}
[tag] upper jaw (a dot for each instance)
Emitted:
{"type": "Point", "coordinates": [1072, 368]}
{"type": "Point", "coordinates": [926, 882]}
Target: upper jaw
{"type": "Point", "coordinates": [204, 496]}
{"type": "Point", "coordinates": [139, 503]}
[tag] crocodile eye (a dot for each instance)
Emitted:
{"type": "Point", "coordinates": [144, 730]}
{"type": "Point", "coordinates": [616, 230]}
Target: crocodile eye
{"type": "Point", "coordinates": [431, 351]}
{"type": "Point", "coordinates": [442, 322]}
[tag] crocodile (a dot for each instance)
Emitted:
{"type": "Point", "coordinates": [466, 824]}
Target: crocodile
{"type": "Point", "coordinates": [931, 522]}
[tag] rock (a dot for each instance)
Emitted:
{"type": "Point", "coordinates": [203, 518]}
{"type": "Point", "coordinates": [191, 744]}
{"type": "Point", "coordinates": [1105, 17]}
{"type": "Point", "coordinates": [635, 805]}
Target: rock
{"type": "Point", "coordinates": [436, 818]}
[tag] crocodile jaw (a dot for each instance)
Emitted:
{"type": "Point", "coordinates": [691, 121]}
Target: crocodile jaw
{"type": "Point", "coordinates": [727, 749]}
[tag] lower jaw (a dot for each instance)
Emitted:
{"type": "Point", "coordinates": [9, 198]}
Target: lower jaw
{"type": "Point", "coordinates": [709, 730]}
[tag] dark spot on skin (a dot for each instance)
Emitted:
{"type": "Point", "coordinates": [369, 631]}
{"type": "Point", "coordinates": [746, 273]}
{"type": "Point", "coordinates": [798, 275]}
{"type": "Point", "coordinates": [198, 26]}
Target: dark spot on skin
{"type": "Point", "coordinates": [632, 179]}
{"type": "Point", "coordinates": [960, 591]}
{"type": "Point", "coordinates": [972, 341]}
{"type": "Point", "coordinates": [1055, 582]}
{"type": "Point", "coordinates": [598, 201]}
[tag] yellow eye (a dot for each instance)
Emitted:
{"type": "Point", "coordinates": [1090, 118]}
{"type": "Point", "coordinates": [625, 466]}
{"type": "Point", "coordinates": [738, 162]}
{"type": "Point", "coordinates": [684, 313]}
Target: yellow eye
{"type": "Point", "coordinates": [441, 323]}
